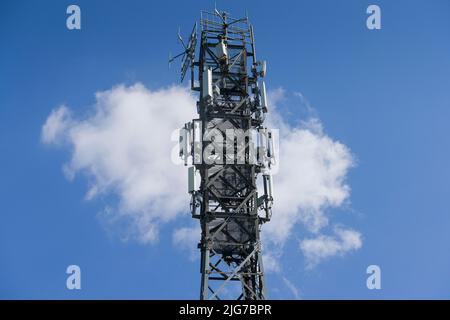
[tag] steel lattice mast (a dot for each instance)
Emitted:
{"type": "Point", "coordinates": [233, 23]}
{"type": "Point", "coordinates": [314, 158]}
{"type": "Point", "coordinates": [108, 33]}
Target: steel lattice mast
{"type": "Point", "coordinates": [229, 148]}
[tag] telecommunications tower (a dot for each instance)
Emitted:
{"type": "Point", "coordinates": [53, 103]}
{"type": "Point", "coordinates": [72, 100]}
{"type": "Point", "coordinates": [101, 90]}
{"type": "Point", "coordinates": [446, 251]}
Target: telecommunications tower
{"type": "Point", "coordinates": [230, 154]}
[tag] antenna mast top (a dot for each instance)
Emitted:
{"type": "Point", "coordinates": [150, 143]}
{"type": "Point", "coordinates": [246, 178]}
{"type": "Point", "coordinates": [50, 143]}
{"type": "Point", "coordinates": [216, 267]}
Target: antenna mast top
{"type": "Point", "coordinates": [226, 199]}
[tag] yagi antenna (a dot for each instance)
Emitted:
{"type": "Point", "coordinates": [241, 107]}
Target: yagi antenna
{"type": "Point", "coordinates": [170, 59]}
{"type": "Point", "coordinates": [221, 15]}
{"type": "Point", "coordinates": [181, 38]}
{"type": "Point", "coordinates": [188, 55]}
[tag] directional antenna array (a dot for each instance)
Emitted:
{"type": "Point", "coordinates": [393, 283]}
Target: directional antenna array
{"type": "Point", "coordinates": [188, 55]}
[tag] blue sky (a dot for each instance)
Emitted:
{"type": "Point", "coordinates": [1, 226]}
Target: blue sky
{"type": "Point", "coordinates": [385, 94]}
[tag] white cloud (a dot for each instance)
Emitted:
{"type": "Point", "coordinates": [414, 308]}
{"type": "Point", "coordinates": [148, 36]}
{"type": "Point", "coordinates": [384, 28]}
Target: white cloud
{"type": "Point", "coordinates": [124, 148]}
{"type": "Point", "coordinates": [57, 123]}
{"type": "Point", "coordinates": [271, 261]}
{"type": "Point", "coordinates": [293, 288]}
{"type": "Point", "coordinates": [187, 239]}
{"type": "Point", "coordinates": [323, 247]}
{"type": "Point", "coordinates": [310, 179]}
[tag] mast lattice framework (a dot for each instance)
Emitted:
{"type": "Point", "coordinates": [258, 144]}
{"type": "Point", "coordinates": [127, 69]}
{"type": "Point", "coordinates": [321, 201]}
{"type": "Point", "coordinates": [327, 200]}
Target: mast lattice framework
{"type": "Point", "coordinates": [223, 185]}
